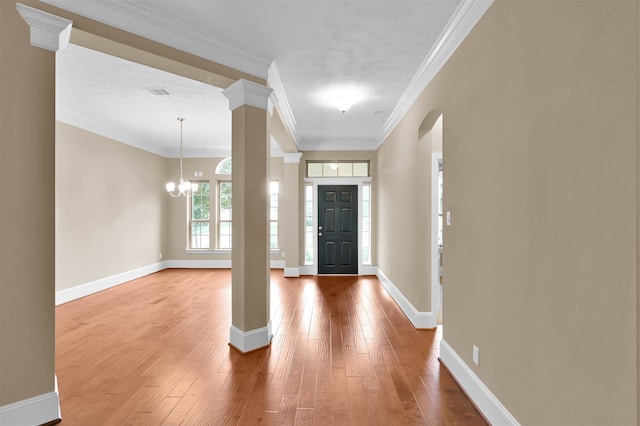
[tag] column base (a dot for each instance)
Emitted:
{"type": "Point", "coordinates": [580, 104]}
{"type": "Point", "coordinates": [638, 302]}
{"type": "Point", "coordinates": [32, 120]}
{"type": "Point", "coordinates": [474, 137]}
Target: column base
{"type": "Point", "coordinates": [42, 409]}
{"type": "Point", "coordinates": [248, 341]}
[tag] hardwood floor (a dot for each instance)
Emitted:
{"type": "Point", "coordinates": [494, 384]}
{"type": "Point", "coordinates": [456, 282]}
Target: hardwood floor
{"type": "Point", "coordinates": [155, 351]}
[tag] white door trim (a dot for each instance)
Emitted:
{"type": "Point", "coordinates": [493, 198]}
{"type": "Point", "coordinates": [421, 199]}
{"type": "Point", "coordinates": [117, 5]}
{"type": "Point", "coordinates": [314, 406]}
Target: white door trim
{"type": "Point", "coordinates": [359, 181]}
{"type": "Point", "coordinates": [436, 299]}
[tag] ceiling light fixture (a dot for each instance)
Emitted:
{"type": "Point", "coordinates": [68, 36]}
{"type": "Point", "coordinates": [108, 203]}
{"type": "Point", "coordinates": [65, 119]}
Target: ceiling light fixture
{"type": "Point", "coordinates": [343, 102]}
{"type": "Point", "coordinates": [344, 96]}
{"type": "Point", "coordinates": [184, 186]}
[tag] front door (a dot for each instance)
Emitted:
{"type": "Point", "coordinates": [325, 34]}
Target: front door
{"type": "Point", "coordinates": [338, 229]}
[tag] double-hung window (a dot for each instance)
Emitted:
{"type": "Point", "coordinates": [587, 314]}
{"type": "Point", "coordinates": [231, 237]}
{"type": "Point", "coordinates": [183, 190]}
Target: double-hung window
{"type": "Point", "coordinates": [199, 217]}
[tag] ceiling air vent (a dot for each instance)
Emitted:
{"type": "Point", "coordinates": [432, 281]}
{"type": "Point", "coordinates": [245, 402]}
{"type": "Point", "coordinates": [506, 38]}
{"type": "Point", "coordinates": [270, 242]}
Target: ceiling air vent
{"type": "Point", "coordinates": [158, 91]}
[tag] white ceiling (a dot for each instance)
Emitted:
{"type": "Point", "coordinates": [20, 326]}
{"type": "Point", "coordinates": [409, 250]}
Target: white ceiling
{"type": "Point", "coordinates": [387, 50]}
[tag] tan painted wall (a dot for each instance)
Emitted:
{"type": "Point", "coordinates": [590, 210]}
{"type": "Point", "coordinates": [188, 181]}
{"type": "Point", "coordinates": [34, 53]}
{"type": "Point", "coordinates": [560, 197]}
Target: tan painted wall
{"type": "Point", "coordinates": [27, 120]}
{"type": "Point", "coordinates": [110, 207]}
{"type": "Point", "coordinates": [540, 142]}
{"type": "Point", "coordinates": [341, 155]}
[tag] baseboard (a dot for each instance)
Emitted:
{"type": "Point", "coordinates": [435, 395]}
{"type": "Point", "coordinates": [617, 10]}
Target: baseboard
{"type": "Point", "coordinates": [417, 318]}
{"type": "Point", "coordinates": [291, 272]}
{"type": "Point", "coordinates": [199, 264]}
{"type": "Point", "coordinates": [247, 341]}
{"type": "Point", "coordinates": [368, 270]}
{"type": "Point", "coordinates": [307, 270]}
{"type": "Point", "coordinates": [82, 290]}
{"type": "Point", "coordinates": [277, 264]}
{"type": "Point", "coordinates": [73, 293]}
{"type": "Point", "coordinates": [213, 264]}
{"type": "Point", "coordinates": [486, 402]}
{"type": "Point", "coordinates": [33, 411]}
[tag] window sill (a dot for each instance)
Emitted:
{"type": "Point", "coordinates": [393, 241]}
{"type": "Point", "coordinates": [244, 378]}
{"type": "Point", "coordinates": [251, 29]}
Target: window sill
{"type": "Point", "coordinates": [208, 251]}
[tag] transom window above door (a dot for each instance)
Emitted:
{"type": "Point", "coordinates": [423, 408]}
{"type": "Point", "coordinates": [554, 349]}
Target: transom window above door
{"type": "Point", "coordinates": [337, 168]}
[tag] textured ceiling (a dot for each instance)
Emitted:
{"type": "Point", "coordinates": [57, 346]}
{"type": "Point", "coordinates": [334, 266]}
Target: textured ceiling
{"type": "Point", "coordinates": [375, 47]}
{"type": "Point", "coordinates": [110, 96]}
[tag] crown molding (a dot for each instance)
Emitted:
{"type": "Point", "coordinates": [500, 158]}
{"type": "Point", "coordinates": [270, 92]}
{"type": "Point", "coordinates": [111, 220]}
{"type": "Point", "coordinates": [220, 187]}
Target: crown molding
{"type": "Point", "coordinates": [146, 22]}
{"type": "Point", "coordinates": [337, 145]}
{"type": "Point", "coordinates": [245, 92]}
{"type": "Point", "coordinates": [72, 118]}
{"type": "Point", "coordinates": [284, 108]}
{"type": "Point", "coordinates": [47, 31]}
{"type": "Point", "coordinates": [292, 157]}
{"type": "Point", "coordinates": [466, 16]}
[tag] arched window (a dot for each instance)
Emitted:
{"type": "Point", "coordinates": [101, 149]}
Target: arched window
{"type": "Point", "coordinates": [224, 167]}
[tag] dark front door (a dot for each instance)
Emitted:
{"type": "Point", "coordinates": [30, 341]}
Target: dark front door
{"type": "Point", "coordinates": [338, 229]}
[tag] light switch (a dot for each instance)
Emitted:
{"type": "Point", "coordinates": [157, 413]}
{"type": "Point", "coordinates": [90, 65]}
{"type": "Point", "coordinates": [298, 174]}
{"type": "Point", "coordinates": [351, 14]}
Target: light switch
{"type": "Point", "coordinates": [448, 218]}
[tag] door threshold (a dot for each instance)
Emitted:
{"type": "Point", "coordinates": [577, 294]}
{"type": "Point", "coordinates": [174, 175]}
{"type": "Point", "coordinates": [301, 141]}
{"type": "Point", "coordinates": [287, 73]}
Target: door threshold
{"type": "Point", "coordinates": [337, 275]}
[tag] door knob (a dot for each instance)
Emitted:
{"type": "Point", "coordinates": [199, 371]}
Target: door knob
{"type": "Point", "coordinates": [320, 234]}
{"type": "Point", "coordinates": [320, 227]}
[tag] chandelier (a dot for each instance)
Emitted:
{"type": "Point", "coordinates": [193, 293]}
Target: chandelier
{"type": "Point", "coordinates": [184, 186]}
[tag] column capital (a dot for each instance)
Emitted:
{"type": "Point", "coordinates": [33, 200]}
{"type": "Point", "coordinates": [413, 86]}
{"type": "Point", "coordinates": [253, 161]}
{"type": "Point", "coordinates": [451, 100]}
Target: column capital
{"type": "Point", "coordinates": [292, 157]}
{"type": "Point", "coordinates": [47, 31]}
{"type": "Point", "coordinates": [245, 92]}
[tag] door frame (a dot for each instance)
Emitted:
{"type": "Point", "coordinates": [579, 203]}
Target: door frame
{"type": "Point", "coordinates": [359, 181]}
{"type": "Point", "coordinates": [436, 294]}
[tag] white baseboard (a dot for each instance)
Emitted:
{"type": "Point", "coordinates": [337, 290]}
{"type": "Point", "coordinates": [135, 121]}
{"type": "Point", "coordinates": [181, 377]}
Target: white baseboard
{"type": "Point", "coordinates": [417, 318]}
{"type": "Point", "coordinates": [213, 264]}
{"type": "Point", "coordinates": [291, 272]}
{"type": "Point", "coordinates": [277, 264]}
{"type": "Point", "coordinates": [199, 264]}
{"type": "Point", "coordinates": [247, 341]}
{"type": "Point", "coordinates": [73, 293]}
{"type": "Point", "coordinates": [368, 270]}
{"type": "Point", "coordinates": [82, 290]}
{"type": "Point", "coordinates": [307, 270]}
{"type": "Point", "coordinates": [33, 411]}
{"type": "Point", "coordinates": [490, 407]}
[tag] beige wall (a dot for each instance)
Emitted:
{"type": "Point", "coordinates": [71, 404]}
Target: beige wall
{"type": "Point", "coordinates": [540, 165]}
{"type": "Point", "coordinates": [371, 156]}
{"type": "Point", "coordinates": [110, 207]}
{"type": "Point", "coordinates": [27, 120]}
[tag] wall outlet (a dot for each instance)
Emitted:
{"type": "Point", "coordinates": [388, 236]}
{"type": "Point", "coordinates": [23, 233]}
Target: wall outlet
{"type": "Point", "coordinates": [160, 255]}
{"type": "Point", "coordinates": [476, 355]}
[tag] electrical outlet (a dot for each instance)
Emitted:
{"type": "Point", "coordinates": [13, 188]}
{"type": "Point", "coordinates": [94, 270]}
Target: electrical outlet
{"type": "Point", "coordinates": [476, 355]}
{"type": "Point", "coordinates": [160, 255]}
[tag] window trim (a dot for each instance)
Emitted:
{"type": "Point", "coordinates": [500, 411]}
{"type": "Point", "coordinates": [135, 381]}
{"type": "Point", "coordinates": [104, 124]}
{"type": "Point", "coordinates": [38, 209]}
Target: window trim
{"type": "Point", "coordinates": [190, 219]}
{"type": "Point", "coordinates": [219, 182]}
{"type": "Point", "coordinates": [337, 163]}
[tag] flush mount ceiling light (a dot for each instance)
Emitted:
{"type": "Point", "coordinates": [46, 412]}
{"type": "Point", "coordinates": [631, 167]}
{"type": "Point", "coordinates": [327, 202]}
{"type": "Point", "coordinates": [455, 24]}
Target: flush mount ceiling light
{"type": "Point", "coordinates": [343, 97]}
{"type": "Point", "coordinates": [184, 186]}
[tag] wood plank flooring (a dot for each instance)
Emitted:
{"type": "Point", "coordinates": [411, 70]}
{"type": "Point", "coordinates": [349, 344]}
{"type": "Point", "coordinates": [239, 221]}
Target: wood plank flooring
{"type": "Point", "coordinates": [155, 351]}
